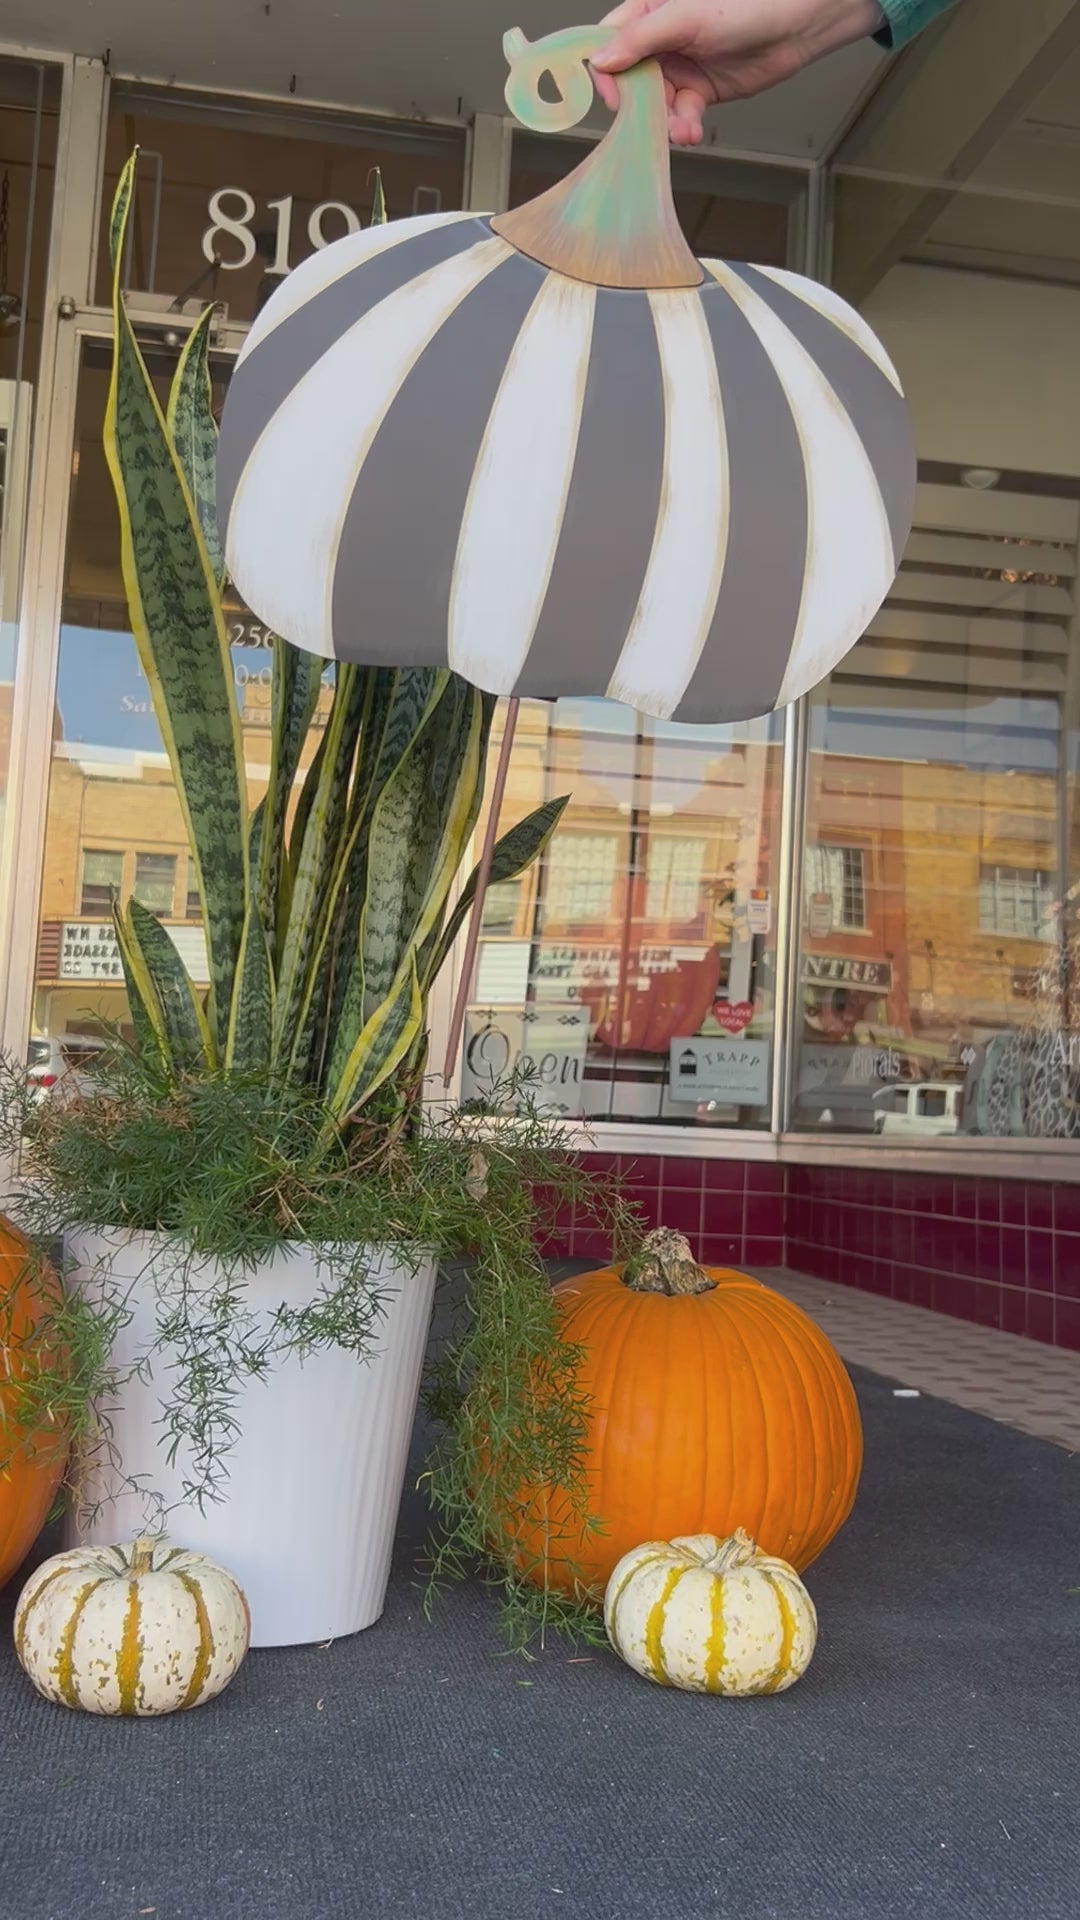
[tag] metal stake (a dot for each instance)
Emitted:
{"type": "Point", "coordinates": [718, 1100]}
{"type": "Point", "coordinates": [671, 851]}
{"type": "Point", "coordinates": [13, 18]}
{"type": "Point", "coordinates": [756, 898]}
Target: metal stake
{"type": "Point", "coordinates": [457, 1019]}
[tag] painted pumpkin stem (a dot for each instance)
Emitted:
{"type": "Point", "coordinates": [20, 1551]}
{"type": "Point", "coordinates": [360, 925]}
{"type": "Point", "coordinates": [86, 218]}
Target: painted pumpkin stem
{"type": "Point", "coordinates": [612, 222]}
{"type": "Point", "coordinates": [666, 1265]}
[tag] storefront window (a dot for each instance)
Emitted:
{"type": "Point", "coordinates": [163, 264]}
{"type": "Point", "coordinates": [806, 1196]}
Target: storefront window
{"type": "Point", "coordinates": [939, 957]}
{"type": "Point", "coordinates": [938, 852]}
{"type": "Point", "coordinates": [632, 972]}
{"type": "Point", "coordinates": [630, 975]}
{"type": "Point", "coordinates": [230, 197]}
{"type": "Point", "coordinates": [114, 824]}
{"type": "Point", "coordinates": [29, 110]}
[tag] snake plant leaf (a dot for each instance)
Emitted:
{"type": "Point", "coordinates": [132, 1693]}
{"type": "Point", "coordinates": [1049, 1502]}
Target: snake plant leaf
{"type": "Point", "coordinates": [402, 701]}
{"type": "Point", "coordinates": [294, 694]}
{"type": "Point", "coordinates": [401, 704]}
{"type": "Point", "coordinates": [193, 432]}
{"type": "Point", "coordinates": [187, 1036]}
{"type": "Point", "coordinates": [382, 1045]}
{"type": "Point", "coordinates": [143, 1004]}
{"type": "Point", "coordinates": [408, 834]}
{"type": "Point", "coordinates": [516, 850]}
{"type": "Point", "coordinates": [255, 834]}
{"type": "Point", "coordinates": [396, 705]}
{"type": "Point", "coordinates": [319, 852]}
{"type": "Point", "coordinates": [308, 789]}
{"type": "Point", "coordinates": [418, 813]}
{"type": "Point", "coordinates": [120, 211]}
{"type": "Point", "coordinates": [251, 1016]}
{"type": "Point", "coordinates": [176, 618]}
{"type": "Point", "coordinates": [456, 777]}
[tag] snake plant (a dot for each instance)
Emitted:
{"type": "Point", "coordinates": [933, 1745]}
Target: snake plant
{"type": "Point", "coordinates": [326, 907]}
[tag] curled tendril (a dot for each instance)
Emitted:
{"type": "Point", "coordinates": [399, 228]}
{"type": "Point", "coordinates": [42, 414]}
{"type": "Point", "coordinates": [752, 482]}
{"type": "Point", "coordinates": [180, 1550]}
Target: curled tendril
{"type": "Point", "coordinates": [564, 56]}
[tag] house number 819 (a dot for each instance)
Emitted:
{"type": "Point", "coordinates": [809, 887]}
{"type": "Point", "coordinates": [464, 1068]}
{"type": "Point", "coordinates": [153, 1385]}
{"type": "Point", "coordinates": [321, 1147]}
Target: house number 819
{"type": "Point", "coordinates": [232, 210]}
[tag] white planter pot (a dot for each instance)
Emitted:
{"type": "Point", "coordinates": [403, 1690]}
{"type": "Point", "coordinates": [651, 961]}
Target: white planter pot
{"type": "Point", "coordinates": [315, 1471]}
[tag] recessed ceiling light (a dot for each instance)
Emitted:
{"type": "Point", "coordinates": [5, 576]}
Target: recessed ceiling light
{"type": "Point", "coordinates": [981, 478]}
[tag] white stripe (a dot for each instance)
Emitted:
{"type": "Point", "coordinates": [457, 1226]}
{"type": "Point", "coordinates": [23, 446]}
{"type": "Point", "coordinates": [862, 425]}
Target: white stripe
{"type": "Point", "coordinates": [849, 559]}
{"type": "Point", "coordinates": [682, 580]}
{"type": "Point", "coordinates": [514, 513]}
{"type": "Point", "coordinates": [295, 491]}
{"type": "Point", "coordinates": [331, 263]}
{"type": "Point", "coordinates": [831, 307]}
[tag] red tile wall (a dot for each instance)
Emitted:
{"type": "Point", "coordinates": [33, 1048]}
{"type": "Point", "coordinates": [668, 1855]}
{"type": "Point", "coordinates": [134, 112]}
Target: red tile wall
{"type": "Point", "coordinates": [1003, 1253]}
{"type": "Point", "coordinates": [731, 1211]}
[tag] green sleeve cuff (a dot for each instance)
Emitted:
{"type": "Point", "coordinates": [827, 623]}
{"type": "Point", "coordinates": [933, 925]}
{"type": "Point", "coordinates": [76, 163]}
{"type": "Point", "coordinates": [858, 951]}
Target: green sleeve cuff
{"type": "Point", "coordinates": [905, 18]}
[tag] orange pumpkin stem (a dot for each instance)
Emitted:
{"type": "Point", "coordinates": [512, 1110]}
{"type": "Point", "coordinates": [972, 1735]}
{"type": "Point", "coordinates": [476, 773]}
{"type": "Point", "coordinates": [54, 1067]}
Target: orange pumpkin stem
{"type": "Point", "coordinates": [666, 1265]}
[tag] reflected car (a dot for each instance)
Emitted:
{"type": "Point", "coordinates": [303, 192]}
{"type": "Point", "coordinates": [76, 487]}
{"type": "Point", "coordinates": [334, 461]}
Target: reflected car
{"type": "Point", "coordinates": [65, 1060]}
{"type": "Point", "coordinates": [925, 1107]}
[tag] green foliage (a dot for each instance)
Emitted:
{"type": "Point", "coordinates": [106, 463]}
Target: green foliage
{"type": "Point", "coordinates": [326, 921]}
{"type": "Point", "coordinates": [231, 1167]}
{"type": "Point", "coordinates": [54, 1364]}
{"type": "Point", "coordinates": [288, 1107]}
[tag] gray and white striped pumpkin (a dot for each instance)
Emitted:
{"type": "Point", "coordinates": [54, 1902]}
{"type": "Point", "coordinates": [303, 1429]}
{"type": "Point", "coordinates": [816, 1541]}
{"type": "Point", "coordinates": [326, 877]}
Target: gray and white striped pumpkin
{"type": "Point", "coordinates": [136, 1630]}
{"type": "Point", "coordinates": [437, 451]}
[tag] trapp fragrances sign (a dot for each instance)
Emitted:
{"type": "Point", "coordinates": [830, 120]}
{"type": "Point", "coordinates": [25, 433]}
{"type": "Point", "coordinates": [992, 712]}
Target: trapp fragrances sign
{"type": "Point", "coordinates": [724, 1072]}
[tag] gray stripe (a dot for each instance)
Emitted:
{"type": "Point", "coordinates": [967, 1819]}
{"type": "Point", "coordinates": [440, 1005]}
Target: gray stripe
{"type": "Point", "coordinates": [746, 654]}
{"type": "Point", "coordinates": [612, 507]}
{"type": "Point", "coordinates": [400, 538]}
{"type": "Point", "coordinates": [878, 413]}
{"type": "Point", "coordinates": [273, 368]}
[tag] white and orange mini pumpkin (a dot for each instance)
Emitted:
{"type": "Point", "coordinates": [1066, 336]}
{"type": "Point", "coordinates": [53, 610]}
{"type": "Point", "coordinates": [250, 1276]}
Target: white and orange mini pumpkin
{"type": "Point", "coordinates": [712, 1616]}
{"type": "Point", "coordinates": [137, 1630]}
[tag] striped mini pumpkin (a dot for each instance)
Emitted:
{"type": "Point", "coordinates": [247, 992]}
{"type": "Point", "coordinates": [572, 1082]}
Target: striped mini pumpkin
{"type": "Point", "coordinates": [710, 1615]}
{"type": "Point", "coordinates": [136, 1630]}
{"type": "Point", "coordinates": [690, 495]}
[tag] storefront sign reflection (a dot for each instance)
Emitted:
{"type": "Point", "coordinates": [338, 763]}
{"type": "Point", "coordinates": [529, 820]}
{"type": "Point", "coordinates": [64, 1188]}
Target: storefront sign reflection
{"type": "Point", "coordinates": [724, 1072]}
{"type": "Point", "coordinates": [538, 1051]}
{"type": "Point", "coordinates": [840, 970]}
{"type": "Point", "coordinates": [821, 915]}
{"type": "Point", "coordinates": [573, 967]}
{"type": "Point", "coordinates": [104, 700]}
{"type": "Point", "coordinates": [851, 1066]}
{"type": "Point", "coordinates": [89, 951]}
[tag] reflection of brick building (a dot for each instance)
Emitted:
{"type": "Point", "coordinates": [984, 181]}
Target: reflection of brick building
{"type": "Point", "coordinates": [923, 867]}
{"type": "Point", "coordinates": [114, 822]}
{"type": "Point", "coordinates": [664, 840]}
{"type": "Point", "coordinates": [955, 869]}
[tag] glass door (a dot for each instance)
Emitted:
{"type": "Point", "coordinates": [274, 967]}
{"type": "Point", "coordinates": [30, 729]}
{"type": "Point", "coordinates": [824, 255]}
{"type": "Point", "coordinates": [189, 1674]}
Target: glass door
{"type": "Point", "coordinates": [16, 398]}
{"type": "Point", "coordinates": [113, 820]}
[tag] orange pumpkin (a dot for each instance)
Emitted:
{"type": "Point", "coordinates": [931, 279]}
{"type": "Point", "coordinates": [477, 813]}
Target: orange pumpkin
{"type": "Point", "coordinates": [714, 1404]}
{"type": "Point", "coordinates": [31, 1464]}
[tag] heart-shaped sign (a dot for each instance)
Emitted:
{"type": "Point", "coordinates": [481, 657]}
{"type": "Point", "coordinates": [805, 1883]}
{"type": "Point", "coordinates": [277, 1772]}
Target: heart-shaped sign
{"type": "Point", "coordinates": [733, 1016]}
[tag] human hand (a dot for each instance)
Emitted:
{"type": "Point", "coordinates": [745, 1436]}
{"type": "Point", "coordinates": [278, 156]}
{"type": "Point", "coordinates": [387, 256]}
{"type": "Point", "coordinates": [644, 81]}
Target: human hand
{"type": "Point", "coordinates": [716, 50]}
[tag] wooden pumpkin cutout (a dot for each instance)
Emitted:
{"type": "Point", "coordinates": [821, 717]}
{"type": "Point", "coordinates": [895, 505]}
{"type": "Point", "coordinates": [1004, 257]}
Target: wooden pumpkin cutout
{"type": "Point", "coordinates": [556, 453]}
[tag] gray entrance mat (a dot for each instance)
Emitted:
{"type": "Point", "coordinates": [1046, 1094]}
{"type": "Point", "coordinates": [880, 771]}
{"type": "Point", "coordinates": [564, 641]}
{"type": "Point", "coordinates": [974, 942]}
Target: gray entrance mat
{"type": "Point", "coordinates": [927, 1764]}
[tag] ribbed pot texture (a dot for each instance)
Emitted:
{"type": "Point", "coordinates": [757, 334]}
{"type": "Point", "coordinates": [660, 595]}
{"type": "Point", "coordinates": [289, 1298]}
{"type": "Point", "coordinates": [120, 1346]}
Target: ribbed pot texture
{"type": "Point", "coordinates": [315, 1472]}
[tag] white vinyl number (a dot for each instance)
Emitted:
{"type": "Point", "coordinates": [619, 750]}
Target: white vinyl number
{"type": "Point", "coordinates": [232, 210]}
